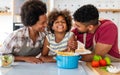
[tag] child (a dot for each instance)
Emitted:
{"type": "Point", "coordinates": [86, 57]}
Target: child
{"type": "Point", "coordinates": [59, 23]}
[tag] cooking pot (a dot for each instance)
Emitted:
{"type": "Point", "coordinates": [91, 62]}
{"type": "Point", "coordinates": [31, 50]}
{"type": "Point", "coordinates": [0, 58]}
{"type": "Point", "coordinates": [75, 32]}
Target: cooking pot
{"type": "Point", "coordinates": [67, 62]}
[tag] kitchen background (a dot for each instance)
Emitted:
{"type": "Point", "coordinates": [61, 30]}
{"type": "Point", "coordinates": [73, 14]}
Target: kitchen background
{"type": "Point", "coordinates": [10, 10]}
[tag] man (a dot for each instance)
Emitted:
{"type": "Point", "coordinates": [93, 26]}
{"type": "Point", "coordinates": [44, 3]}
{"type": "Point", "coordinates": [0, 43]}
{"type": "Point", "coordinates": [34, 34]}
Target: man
{"type": "Point", "coordinates": [103, 35]}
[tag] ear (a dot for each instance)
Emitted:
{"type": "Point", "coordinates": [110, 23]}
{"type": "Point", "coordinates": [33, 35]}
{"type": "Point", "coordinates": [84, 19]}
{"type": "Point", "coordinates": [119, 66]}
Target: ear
{"type": "Point", "coordinates": [90, 27]}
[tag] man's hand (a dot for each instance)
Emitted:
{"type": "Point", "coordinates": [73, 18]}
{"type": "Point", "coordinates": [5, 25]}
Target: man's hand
{"type": "Point", "coordinates": [72, 44]}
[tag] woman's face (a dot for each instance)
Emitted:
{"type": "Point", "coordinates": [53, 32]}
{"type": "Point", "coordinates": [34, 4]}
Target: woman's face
{"type": "Point", "coordinates": [40, 24]}
{"type": "Point", "coordinates": [59, 25]}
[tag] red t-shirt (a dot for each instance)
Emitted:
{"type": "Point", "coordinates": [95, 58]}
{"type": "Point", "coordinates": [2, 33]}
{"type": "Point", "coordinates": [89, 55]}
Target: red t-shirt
{"type": "Point", "coordinates": [80, 37]}
{"type": "Point", "coordinates": [107, 33]}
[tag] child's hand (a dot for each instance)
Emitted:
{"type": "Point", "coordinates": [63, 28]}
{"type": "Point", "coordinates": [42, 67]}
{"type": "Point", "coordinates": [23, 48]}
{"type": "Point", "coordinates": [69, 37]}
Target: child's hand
{"type": "Point", "coordinates": [47, 59]}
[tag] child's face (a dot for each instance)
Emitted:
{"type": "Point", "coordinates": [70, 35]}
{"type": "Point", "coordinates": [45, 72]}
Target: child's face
{"type": "Point", "coordinates": [59, 25]}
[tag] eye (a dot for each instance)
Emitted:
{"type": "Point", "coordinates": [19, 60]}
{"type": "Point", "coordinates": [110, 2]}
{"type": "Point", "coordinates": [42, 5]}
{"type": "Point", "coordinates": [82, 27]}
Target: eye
{"type": "Point", "coordinates": [44, 23]}
{"type": "Point", "coordinates": [63, 21]}
{"type": "Point", "coordinates": [56, 22]}
{"type": "Point", "coordinates": [77, 25]}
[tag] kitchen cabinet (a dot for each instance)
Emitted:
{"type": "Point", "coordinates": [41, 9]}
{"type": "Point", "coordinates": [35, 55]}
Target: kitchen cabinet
{"type": "Point", "coordinates": [16, 13]}
{"type": "Point", "coordinates": [17, 8]}
{"type": "Point", "coordinates": [6, 7]}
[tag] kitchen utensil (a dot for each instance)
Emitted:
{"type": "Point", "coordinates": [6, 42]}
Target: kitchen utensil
{"type": "Point", "coordinates": [68, 62]}
{"type": "Point", "coordinates": [7, 60]}
{"type": "Point", "coordinates": [113, 69]}
{"type": "Point", "coordinates": [52, 49]}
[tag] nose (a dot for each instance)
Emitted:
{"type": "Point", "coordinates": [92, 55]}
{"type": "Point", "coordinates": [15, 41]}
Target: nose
{"type": "Point", "coordinates": [60, 22]}
{"type": "Point", "coordinates": [74, 26]}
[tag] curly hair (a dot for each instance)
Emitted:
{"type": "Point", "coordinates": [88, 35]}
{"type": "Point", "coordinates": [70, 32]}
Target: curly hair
{"type": "Point", "coordinates": [55, 14]}
{"type": "Point", "coordinates": [31, 10]}
{"type": "Point", "coordinates": [87, 14]}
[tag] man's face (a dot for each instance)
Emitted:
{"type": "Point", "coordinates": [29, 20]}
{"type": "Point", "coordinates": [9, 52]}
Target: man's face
{"type": "Point", "coordinates": [81, 27]}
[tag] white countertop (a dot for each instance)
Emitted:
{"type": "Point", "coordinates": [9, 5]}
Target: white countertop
{"type": "Point", "coordinates": [23, 68]}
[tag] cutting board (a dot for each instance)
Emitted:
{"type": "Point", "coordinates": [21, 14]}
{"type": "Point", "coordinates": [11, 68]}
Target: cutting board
{"type": "Point", "coordinates": [99, 71]}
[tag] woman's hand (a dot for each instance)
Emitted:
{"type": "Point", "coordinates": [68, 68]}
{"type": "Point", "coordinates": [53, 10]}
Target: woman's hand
{"type": "Point", "coordinates": [33, 60]}
{"type": "Point", "coordinates": [30, 59]}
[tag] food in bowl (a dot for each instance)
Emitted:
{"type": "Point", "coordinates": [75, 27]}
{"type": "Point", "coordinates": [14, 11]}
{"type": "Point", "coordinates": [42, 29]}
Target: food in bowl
{"type": "Point", "coordinates": [65, 53]}
{"type": "Point", "coordinates": [82, 49]}
{"type": "Point", "coordinates": [7, 60]}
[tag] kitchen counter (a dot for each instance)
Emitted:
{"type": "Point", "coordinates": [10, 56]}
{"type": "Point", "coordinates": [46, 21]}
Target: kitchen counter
{"type": "Point", "coordinates": [23, 68]}
{"type": "Point", "coordinates": [99, 71]}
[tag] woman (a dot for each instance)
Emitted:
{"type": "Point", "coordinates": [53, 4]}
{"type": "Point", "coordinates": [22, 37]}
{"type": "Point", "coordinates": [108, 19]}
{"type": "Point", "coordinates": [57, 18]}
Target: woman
{"type": "Point", "coordinates": [26, 43]}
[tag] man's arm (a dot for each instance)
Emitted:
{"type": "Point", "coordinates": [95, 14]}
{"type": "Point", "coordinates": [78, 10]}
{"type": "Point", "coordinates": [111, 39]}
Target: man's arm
{"type": "Point", "coordinates": [100, 49]}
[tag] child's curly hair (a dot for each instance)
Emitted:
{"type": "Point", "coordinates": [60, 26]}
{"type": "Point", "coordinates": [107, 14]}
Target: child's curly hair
{"type": "Point", "coordinates": [55, 14]}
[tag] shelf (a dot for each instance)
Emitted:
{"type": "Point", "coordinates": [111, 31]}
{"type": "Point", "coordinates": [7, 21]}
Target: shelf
{"type": "Point", "coordinates": [109, 10]}
{"type": "Point", "coordinates": [6, 13]}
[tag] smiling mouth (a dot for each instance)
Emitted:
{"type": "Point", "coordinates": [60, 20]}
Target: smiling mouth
{"type": "Point", "coordinates": [60, 27]}
{"type": "Point", "coordinates": [42, 29]}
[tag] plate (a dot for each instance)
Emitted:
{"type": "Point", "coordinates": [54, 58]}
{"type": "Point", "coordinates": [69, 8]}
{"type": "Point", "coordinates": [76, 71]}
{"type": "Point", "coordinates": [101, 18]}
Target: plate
{"type": "Point", "coordinates": [84, 52]}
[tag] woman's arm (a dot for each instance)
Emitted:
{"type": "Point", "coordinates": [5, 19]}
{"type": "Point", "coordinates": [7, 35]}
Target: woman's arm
{"type": "Point", "coordinates": [30, 59]}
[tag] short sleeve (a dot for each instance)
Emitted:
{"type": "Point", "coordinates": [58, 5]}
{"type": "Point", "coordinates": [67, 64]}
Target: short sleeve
{"type": "Point", "coordinates": [108, 34]}
{"type": "Point", "coordinates": [9, 43]}
{"type": "Point", "coordinates": [71, 34]}
{"type": "Point", "coordinates": [48, 37]}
